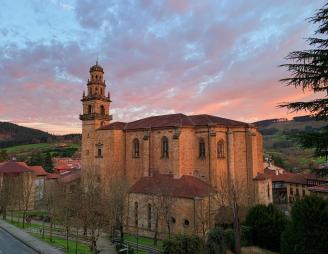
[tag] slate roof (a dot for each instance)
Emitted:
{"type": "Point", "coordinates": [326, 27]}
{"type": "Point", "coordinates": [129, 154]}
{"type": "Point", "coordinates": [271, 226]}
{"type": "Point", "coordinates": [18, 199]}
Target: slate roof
{"type": "Point", "coordinates": [174, 120]}
{"type": "Point", "coordinates": [183, 187]}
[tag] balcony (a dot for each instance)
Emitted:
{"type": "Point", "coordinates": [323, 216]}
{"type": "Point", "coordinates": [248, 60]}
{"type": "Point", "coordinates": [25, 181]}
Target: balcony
{"type": "Point", "coordinates": [94, 116]}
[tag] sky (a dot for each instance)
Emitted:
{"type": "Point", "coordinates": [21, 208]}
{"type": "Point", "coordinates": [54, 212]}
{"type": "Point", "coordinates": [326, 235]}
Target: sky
{"type": "Point", "coordinates": [216, 57]}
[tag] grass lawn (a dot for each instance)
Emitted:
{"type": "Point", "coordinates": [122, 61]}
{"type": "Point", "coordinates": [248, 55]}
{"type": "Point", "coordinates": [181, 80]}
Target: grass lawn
{"type": "Point", "coordinates": [61, 243]}
{"type": "Point", "coordinates": [146, 241]}
{"type": "Point", "coordinates": [21, 148]}
{"type": "Point", "coordinates": [20, 223]}
{"type": "Point", "coordinates": [255, 250]}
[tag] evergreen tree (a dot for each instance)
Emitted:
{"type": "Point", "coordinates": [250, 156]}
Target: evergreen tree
{"type": "Point", "coordinates": [3, 155]}
{"type": "Point", "coordinates": [309, 69]}
{"type": "Point", "coordinates": [36, 160]}
{"type": "Point", "coordinates": [266, 223]}
{"type": "Point", "coordinates": [47, 163]}
{"type": "Point", "coordinates": [307, 232]}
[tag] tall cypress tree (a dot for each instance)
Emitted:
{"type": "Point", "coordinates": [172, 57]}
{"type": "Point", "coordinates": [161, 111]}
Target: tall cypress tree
{"type": "Point", "coordinates": [309, 69]}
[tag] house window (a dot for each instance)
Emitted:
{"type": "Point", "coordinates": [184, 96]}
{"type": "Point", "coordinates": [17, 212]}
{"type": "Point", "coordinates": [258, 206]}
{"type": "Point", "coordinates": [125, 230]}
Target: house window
{"type": "Point", "coordinates": [291, 191]}
{"type": "Point", "coordinates": [303, 193]}
{"type": "Point", "coordinates": [89, 109]}
{"type": "Point", "coordinates": [136, 214]}
{"type": "Point", "coordinates": [201, 148]}
{"type": "Point", "coordinates": [136, 151]}
{"type": "Point", "coordinates": [149, 216]}
{"type": "Point", "coordinates": [220, 149]}
{"type": "Point", "coordinates": [268, 187]}
{"type": "Point", "coordinates": [297, 192]}
{"type": "Point", "coordinates": [165, 147]}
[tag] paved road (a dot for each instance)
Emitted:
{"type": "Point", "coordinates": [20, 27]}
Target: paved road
{"type": "Point", "coordinates": [10, 245]}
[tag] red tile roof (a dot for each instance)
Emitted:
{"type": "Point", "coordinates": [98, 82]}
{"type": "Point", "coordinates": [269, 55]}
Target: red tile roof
{"type": "Point", "coordinates": [70, 177]}
{"type": "Point", "coordinates": [319, 188]}
{"type": "Point", "coordinates": [173, 120]}
{"type": "Point", "coordinates": [261, 176]}
{"type": "Point", "coordinates": [9, 167]}
{"type": "Point", "coordinates": [289, 178]}
{"type": "Point", "coordinates": [38, 170]}
{"type": "Point", "coordinates": [183, 187]}
{"type": "Point", "coordinates": [52, 176]}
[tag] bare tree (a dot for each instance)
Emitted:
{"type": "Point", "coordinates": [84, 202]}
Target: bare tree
{"type": "Point", "coordinates": [27, 193]}
{"type": "Point", "coordinates": [93, 208]}
{"type": "Point", "coordinates": [115, 195]}
{"type": "Point", "coordinates": [161, 206]}
{"type": "Point", "coordinates": [230, 196]}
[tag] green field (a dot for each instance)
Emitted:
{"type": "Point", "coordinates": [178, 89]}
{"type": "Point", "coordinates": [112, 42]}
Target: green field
{"type": "Point", "coordinates": [61, 244]}
{"type": "Point", "coordinates": [26, 148]}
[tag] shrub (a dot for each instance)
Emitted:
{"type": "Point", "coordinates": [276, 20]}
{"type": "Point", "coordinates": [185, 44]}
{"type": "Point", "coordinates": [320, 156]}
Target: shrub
{"type": "Point", "coordinates": [267, 223]}
{"type": "Point", "coordinates": [307, 231]}
{"type": "Point", "coordinates": [215, 242]}
{"type": "Point", "coordinates": [182, 244]}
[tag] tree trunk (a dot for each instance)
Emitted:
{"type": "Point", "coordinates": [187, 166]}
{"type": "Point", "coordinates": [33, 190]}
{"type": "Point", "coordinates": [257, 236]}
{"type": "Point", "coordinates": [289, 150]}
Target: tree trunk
{"type": "Point", "coordinates": [24, 214]}
{"type": "Point", "coordinates": [50, 232]}
{"type": "Point", "coordinates": [76, 239]}
{"type": "Point", "coordinates": [236, 228]}
{"type": "Point", "coordinates": [43, 222]}
{"type": "Point", "coordinates": [156, 232]}
{"type": "Point", "coordinates": [67, 231]}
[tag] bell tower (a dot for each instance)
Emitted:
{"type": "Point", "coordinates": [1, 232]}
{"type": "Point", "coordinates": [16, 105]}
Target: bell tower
{"type": "Point", "coordinates": [95, 113]}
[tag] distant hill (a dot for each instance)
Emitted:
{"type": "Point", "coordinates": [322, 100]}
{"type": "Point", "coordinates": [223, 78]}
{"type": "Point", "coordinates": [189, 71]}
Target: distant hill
{"type": "Point", "coordinates": [278, 143]}
{"type": "Point", "coordinates": [13, 134]}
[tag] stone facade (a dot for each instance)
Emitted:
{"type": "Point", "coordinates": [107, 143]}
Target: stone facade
{"type": "Point", "coordinates": [203, 146]}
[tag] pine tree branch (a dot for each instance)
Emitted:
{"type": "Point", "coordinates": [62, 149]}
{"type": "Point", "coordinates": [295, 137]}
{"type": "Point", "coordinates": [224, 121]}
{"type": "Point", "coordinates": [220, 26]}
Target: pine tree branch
{"type": "Point", "coordinates": [318, 108]}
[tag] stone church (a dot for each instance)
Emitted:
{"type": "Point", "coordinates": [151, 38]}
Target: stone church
{"type": "Point", "coordinates": [187, 157]}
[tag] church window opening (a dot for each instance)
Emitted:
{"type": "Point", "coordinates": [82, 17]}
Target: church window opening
{"type": "Point", "coordinates": [186, 223]}
{"type": "Point", "coordinates": [99, 153]}
{"type": "Point", "coordinates": [101, 91]}
{"type": "Point", "coordinates": [220, 149]}
{"type": "Point", "coordinates": [149, 216]}
{"type": "Point", "coordinates": [136, 151]}
{"type": "Point", "coordinates": [102, 110]}
{"type": "Point", "coordinates": [201, 148]}
{"type": "Point", "coordinates": [165, 147]}
{"type": "Point", "coordinates": [89, 109]}
{"type": "Point", "coordinates": [173, 221]}
{"type": "Point", "coordinates": [136, 214]}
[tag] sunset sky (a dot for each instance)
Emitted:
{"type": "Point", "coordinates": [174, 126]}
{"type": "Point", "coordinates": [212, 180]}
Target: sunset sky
{"type": "Point", "coordinates": [216, 57]}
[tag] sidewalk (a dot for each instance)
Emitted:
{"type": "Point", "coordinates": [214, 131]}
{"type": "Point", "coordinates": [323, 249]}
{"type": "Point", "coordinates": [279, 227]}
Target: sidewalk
{"type": "Point", "coordinates": [105, 246]}
{"type": "Point", "coordinates": [34, 243]}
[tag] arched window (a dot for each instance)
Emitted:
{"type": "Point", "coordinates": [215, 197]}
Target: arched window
{"type": "Point", "coordinates": [220, 149]}
{"type": "Point", "coordinates": [136, 214]}
{"type": "Point", "coordinates": [165, 147]}
{"type": "Point", "coordinates": [101, 91]}
{"type": "Point", "coordinates": [201, 148]}
{"type": "Point", "coordinates": [136, 151]}
{"type": "Point", "coordinates": [149, 216]}
{"type": "Point", "coordinates": [102, 110]}
{"type": "Point", "coordinates": [89, 109]}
